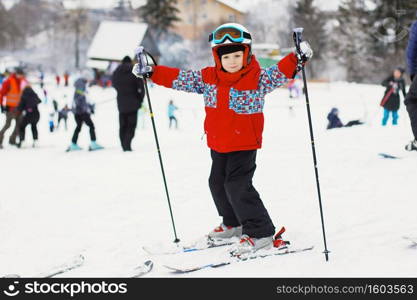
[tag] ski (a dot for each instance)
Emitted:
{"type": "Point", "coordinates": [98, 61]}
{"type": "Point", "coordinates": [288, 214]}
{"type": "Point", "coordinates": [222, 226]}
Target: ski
{"type": "Point", "coordinates": [72, 264]}
{"type": "Point", "coordinates": [143, 269]}
{"type": "Point", "coordinates": [389, 156]}
{"type": "Point", "coordinates": [76, 262]}
{"type": "Point", "coordinates": [199, 245]}
{"type": "Point", "coordinates": [95, 149]}
{"type": "Point", "coordinates": [231, 260]}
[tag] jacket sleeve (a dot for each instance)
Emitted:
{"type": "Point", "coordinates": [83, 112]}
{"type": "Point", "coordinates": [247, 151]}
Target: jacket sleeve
{"type": "Point", "coordinates": [181, 80]}
{"type": "Point", "coordinates": [386, 81]}
{"type": "Point", "coordinates": [278, 75]}
{"type": "Point", "coordinates": [412, 50]}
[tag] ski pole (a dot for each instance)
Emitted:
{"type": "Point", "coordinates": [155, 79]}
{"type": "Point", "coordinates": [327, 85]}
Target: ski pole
{"type": "Point", "coordinates": [297, 36]}
{"type": "Point", "coordinates": [145, 84]}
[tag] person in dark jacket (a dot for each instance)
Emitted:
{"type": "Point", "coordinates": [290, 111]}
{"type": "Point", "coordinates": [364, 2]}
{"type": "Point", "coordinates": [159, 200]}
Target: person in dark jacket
{"type": "Point", "coordinates": [394, 84]}
{"type": "Point", "coordinates": [333, 118]}
{"type": "Point", "coordinates": [28, 106]}
{"type": "Point", "coordinates": [335, 122]}
{"type": "Point", "coordinates": [130, 92]}
{"type": "Point", "coordinates": [63, 115]}
{"type": "Point", "coordinates": [411, 98]}
{"type": "Point", "coordinates": [82, 112]}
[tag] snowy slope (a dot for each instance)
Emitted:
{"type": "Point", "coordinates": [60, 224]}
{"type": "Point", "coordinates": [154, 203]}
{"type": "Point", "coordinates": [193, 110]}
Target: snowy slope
{"type": "Point", "coordinates": [108, 204]}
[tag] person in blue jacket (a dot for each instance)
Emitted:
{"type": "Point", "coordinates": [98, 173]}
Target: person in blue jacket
{"type": "Point", "coordinates": [171, 114]}
{"type": "Point", "coordinates": [411, 98]}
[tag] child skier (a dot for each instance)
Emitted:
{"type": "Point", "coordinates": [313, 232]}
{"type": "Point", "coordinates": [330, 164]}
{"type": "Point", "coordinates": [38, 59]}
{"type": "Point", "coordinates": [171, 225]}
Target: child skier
{"type": "Point", "coordinates": [394, 84]}
{"type": "Point", "coordinates": [82, 113]}
{"type": "Point", "coordinates": [171, 114]}
{"type": "Point", "coordinates": [234, 91]}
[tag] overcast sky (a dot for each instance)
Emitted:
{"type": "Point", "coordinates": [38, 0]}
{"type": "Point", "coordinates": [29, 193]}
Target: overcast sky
{"type": "Point", "coordinates": [324, 4]}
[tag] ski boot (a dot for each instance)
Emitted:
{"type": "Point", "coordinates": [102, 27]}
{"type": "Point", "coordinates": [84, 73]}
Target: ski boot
{"type": "Point", "coordinates": [248, 245]}
{"type": "Point", "coordinates": [73, 147]}
{"type": "Point", "coordinates": [94, 146]}
{"type": "Point", "coordinates": [411, 146]}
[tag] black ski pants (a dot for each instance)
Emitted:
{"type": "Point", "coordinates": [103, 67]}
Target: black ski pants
{"type": "Point", "coordinates": [128, 122]}
{"type": "Point", "coordinates": [412, 112]}
{"type": "Point", "coordinates": [411, 105]}
{"type": "Point", "coordinates": [80, 119]}
{"type": "Point", "coordinates": [236, 199]}
{"type": "Point", "coordinates": [31, 118]}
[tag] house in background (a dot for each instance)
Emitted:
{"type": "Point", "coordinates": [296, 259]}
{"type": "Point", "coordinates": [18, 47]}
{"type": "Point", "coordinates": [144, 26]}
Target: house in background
{"type": "Point", "coordinates": [198, 16]}
{"type": "Point", "coordinates": [115, 40]}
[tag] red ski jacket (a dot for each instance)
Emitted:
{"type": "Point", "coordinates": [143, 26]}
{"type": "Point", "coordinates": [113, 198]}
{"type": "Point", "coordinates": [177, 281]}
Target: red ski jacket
{"type": "Point", "coordinates": [233, 101]}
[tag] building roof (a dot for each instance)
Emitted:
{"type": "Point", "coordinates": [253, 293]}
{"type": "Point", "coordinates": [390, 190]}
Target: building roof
{"type": "Point", "coordinates": [114, 40]}
{"type": "Point", "coordinates": [239, 5]}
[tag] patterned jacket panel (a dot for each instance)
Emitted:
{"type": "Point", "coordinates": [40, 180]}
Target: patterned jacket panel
{"type": "Point", "coordinates": [270, 79]}
{"type": "Point", "coordinates": [189, 81]}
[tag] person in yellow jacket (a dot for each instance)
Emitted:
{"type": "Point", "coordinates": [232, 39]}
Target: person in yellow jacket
{"type": "Point", "coordinates": [10, 94]}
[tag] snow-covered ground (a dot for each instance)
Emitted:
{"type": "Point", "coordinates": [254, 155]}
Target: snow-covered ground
{"type": "Point", "coordinates": [108, 204]}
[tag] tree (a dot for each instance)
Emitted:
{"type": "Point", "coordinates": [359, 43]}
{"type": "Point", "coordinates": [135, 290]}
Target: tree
{"type": "Point", "coordinates": [270, 25]}
{"type": "Point", "coordinates": [10, 34]}
{"type": "Point", "coordinates": [160, 15]}
{"type": "Point", "coordinates": [389, 22]}
{"type": "Point", "coordinates": [313, 20]}
{"type": "Point", "coordinates": [352, 40]}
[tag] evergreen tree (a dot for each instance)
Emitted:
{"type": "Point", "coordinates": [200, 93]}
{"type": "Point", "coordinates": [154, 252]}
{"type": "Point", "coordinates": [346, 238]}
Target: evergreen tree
{"type": "Point", "coordinates": [313, 20]}
{"type": "Point", "coordinates": [10, 34]}
{"type": "Point", "coordinates": [160, 15]}
{"type": "Point", "coordinates": [352, 41]}
{"type": "Point", "coordinates": [390, 21]}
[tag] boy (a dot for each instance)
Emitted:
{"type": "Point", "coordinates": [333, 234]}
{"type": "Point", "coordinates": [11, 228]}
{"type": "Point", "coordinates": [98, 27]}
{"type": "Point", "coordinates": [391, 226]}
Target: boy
{"type": "Point", "coordinates": [234, 91]}
{"type": "Point", "coordinates": [82, 113]}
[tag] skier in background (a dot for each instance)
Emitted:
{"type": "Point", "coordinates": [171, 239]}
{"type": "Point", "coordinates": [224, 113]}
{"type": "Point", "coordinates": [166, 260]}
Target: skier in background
{"type": "Point", "coordinates": [66, 78]}
{"type": "Point", "coordinates": [130, 93]}
{"type": "Point", "coordinates": [233, 126]}
{"type": "Point", "coordinates": [335, 122]}
{"type": "Point", "coordinates": [1, 79]}
{"type": "Point", "coordinates": [51, 121]}
{"type": "Point", "coordinates": [10, 93]}
{"type": "Point", "coordinates": [82, 113]}
{"type": "Point", "coordinates": [63, 115]}
{"type": "Point", "coordinates": [294, 89]}
{"type": "Point", "coordinates": [28, 106]}
{"type": "Point", "coordinates": [391, 102]}
{"type": "Point", "coordinates": [171, 114]}
{"type": "Point", "coordinates": [411, 98]}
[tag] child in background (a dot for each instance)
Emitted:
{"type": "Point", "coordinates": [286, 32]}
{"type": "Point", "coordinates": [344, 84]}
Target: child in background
{"type": "Point", "coordinates": [394, 84]}
{"type": "Point", "coordinates": [171, 114]}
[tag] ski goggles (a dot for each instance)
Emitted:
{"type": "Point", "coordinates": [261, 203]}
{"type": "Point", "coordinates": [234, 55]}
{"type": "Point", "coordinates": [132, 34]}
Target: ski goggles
{"type": "Point", "coordinates": [234, 34]}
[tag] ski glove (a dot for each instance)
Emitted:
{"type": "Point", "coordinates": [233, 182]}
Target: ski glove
{"type": "Point", "coordinates": [306, 52]}
{"type": "Point", "coordinates": [141, 69]}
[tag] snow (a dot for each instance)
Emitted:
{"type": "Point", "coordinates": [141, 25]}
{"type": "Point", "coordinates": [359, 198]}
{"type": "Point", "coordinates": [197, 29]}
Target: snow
{"type": "Point", "coordinates": [108, 204]}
